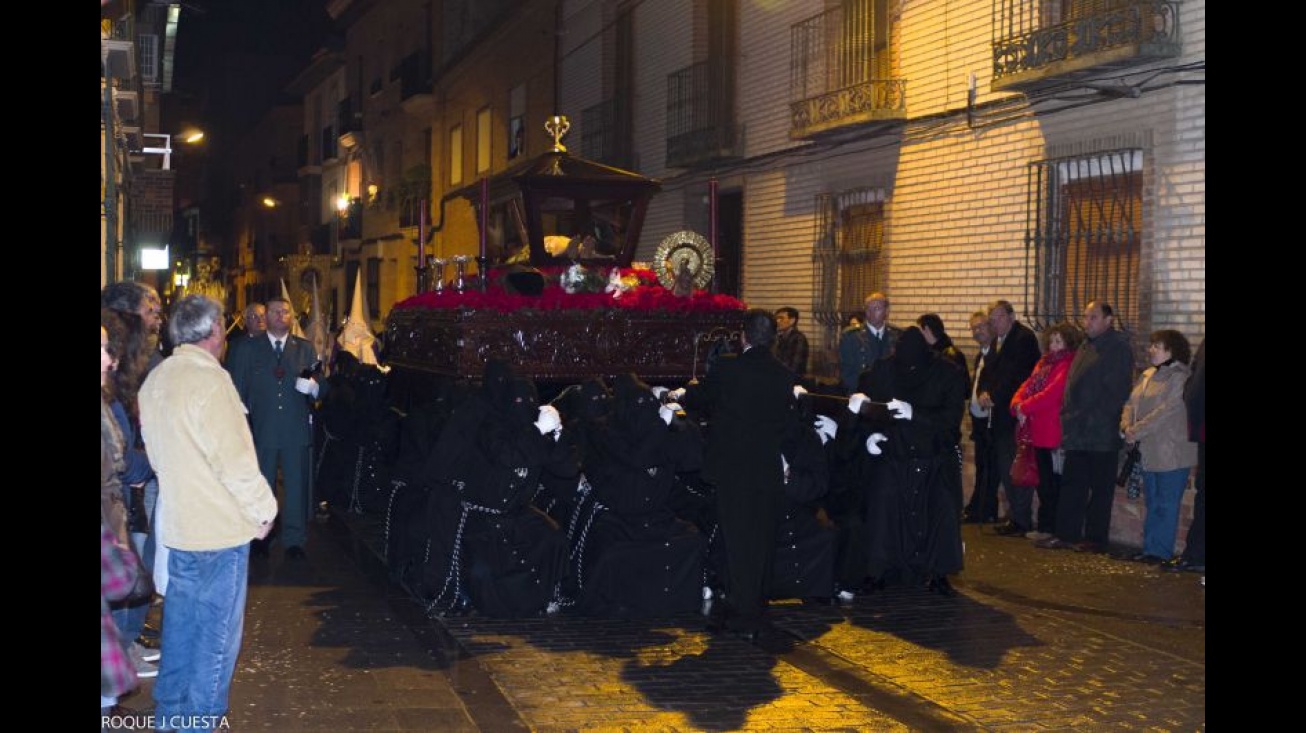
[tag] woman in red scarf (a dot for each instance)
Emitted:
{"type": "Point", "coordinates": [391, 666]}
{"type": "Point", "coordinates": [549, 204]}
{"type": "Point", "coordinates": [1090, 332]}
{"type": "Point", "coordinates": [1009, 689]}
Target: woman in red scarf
{"type": "Point", "coordinates": [1037, 407]}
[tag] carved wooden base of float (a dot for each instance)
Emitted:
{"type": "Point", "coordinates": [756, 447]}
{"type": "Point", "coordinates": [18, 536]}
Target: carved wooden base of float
{"type": "Point", "coordinates": [556, 346]}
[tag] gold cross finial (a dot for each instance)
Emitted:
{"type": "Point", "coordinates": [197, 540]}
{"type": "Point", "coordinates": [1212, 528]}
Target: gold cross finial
{"type": "Point", "coordinates": [557, 126]}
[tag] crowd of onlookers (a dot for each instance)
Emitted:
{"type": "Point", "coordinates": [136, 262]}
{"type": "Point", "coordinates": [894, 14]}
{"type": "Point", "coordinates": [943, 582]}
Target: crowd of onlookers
{"type": "Point", "coordinates": [613, 496]}
{"type": "Point", "coordinates": [130, 321]}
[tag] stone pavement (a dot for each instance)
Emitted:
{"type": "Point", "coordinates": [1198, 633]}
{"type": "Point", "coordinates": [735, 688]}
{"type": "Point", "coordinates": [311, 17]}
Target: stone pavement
{"type": "Point", "coordinates": [1034, 640]}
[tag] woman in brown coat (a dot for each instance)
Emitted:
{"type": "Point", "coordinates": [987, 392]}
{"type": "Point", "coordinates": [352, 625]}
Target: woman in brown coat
{"type": "Point", "coordinates": [1155, 419]}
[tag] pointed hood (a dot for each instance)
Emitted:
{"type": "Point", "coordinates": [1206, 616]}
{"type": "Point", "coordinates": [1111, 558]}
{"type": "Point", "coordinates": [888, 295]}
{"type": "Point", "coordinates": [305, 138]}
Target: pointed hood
{"type": "Point", "coordinates": [295, 329]}
{"type": "Point", "coordinates": [317, 325]}
{"type": "Point", "coordinates": [356, 337]}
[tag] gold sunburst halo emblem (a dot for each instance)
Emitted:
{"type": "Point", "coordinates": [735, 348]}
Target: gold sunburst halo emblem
{"type": "Point", "coordinates": [685, 246]}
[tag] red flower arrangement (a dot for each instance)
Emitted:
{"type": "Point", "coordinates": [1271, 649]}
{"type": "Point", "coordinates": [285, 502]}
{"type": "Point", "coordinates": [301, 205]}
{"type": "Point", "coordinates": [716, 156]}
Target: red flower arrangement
{"type": "Point", "coordinates": [646, 296]}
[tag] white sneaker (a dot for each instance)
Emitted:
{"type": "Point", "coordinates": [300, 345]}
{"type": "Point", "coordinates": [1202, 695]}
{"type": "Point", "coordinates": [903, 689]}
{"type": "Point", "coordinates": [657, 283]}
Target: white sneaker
{"type": "Point", "coordinates": [845, 596]}
{"type": "Point", "coordinates": [144, 670]}
{"type": "Point", "coordinates": [145, 653]}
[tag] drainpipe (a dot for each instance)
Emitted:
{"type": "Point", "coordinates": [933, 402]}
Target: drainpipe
{"type": "Point", "coordinates": [113, 245]}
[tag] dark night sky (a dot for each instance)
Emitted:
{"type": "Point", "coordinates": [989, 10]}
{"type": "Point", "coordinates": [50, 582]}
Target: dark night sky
{"type": "Point", "coordinates": [233, 61]}
{"type": "Point", "coordinates": [234, 56]}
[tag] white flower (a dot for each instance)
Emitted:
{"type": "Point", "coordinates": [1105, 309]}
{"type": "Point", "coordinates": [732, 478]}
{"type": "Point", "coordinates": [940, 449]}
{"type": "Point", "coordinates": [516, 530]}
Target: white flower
{"type": "Point", "coordinates": [572, 278]}
{"type": "Point", "coordinates": [615, 285]}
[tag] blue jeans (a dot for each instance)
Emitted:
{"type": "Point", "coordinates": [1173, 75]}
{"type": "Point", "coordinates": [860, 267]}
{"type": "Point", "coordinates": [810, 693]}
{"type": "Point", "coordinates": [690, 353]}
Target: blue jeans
{"type": "Point", "coordinates": [1163, 491]}
{"type": "Point", "coordinates": [130, 621]}
{"type": "Point", "coordinates": [203, 622]}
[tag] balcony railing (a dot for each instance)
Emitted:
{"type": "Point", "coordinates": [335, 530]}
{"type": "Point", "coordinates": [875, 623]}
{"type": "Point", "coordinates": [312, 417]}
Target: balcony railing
{"type": "Point", "coordinates": [839, 72]}
{"type": "Point", "coordinates": [1046, 40]}
{"type": "Point", "coordinates": [152, 222]}
{"type": "Point", "coordinates": [118, 47]}
{"type": "Point", "coordinates": [605, 132]}
{"type": "Point", "coordinates": [701, 113]}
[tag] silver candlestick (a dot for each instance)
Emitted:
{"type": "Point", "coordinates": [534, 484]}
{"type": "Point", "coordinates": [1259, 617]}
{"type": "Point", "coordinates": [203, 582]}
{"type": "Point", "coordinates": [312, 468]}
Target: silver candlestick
{"type": "Point", "coordinates": [460, 274]}
{"type": "Point", "coordinates": [437, 265]}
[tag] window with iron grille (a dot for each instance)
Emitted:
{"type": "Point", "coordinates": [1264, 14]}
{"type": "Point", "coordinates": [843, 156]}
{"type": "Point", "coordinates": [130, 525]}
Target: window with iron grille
{"type": "Point", "coordinates": [1083, 236]}
{"type": "Point", "coordinates": [147, 45]}
{"type": "Point", "coordinates": [849, 260]}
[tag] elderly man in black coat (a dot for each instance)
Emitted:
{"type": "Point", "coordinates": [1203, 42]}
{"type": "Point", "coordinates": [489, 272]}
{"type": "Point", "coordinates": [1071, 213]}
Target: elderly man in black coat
{"type": "Point", "coordinates": [747, 400]}
{"type": "Point", "coordinates": [1009, 362]}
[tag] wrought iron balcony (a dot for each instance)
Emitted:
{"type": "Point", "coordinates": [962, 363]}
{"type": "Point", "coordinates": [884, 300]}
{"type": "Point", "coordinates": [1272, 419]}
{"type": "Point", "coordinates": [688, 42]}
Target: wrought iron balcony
{"type": "Point", "coordinates": [1045, 42]}
{"type": "Point", "coordinates": [701, 114]}
{"type": "Point", "coordinates": [118, 47]}
{"type": "Point", "coordinates": [605, 133]}
{"type": "Point", "coordinates": [839, 73]}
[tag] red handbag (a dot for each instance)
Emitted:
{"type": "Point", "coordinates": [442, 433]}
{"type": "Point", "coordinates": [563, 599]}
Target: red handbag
{"type": "Point", "coordinates": [1024, 467]}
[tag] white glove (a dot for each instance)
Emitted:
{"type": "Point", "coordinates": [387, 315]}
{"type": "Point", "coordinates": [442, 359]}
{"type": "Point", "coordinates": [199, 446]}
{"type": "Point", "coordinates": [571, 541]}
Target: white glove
{"type": "Point", "coordinates": [549, 420]}
{"type": "Point", "coordinates": [668, 411]}
{"type": "Point", "coordinates": [855, 402]}
{"type": "Point", "coordinates": [658, 391]}
{"type": "Point", "coordinates": [901, 410]}
{"type": "Point", "coordinates": [799, 391]}
{"type": "Point", "coordinates": [873, 443]}
{"type": "Point", "coordinates": [306, 386]}
{"type": "Point", "coordinates": [827, 428]}
{"type": "Point", "coordinates": [676, 394]}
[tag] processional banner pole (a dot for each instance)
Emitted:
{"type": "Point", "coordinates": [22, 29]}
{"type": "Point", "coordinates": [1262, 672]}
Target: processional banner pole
{"type": "Point", "coordinates": [711, 229]}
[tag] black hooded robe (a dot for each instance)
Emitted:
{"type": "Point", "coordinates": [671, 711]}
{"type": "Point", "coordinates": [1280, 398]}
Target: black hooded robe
{"type": "Point", "coordinates": [914, 495]}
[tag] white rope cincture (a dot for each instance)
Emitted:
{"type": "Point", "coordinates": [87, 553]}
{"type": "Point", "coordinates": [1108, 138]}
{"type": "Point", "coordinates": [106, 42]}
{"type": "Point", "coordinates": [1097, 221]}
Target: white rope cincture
{"type": "Point", "coordinates": [395, 485]}
{"type": "Point", "coordinates": [710, 539]}
{"type": "Point", "coordinates": [355, 506]}
{"type": "Point", "coordinates": [317, 469]}
{"type": "Point", "coordinates": [454, 575]}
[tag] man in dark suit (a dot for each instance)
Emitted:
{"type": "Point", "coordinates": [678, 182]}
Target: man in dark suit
{"type": "Point", "coordinates": [1011, 359]}
{"type": "Point", "coordinates": [859, 348]}
{"type": "Point", "coordinates": [256, 325]}
{"type": "Point", "coordinates": [790, 343]}
{"type": "Point", "coordinates": [746, 398]}
{"type": "Point", "coordinates": [983, 505]}
{"type": "Point", "coordinates": [267, 374]}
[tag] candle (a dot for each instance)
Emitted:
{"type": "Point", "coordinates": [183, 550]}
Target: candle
{"type": "Point", "coordinates": [711, 226]}
{"type": "Point", "coordinates": [485, 210]}
{"type": "Point", "coordinates": [421, 234]}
